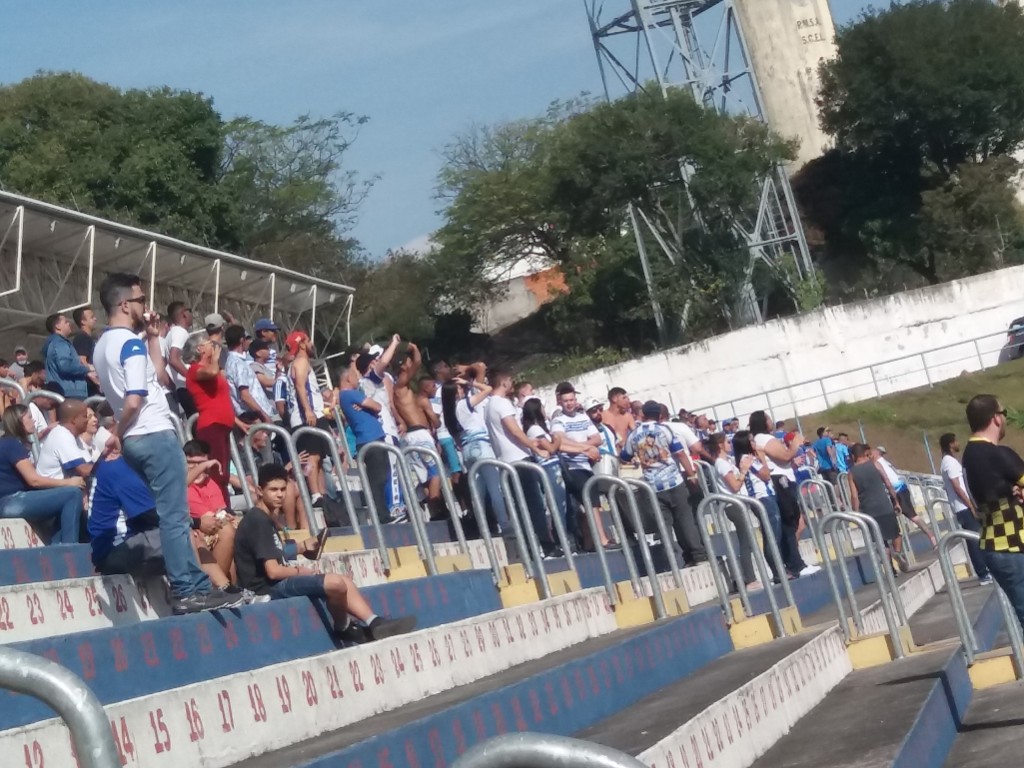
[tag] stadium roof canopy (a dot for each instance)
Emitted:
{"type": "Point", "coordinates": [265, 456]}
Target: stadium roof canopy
{"type": "Point", "coordinates": [53, 259]}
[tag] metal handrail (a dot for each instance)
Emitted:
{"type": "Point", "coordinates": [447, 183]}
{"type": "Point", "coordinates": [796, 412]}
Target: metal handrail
{"type": "Point", "coordinates": [426, 550]}
{"type": "Point", "coordinates": [950, 515]}
{"type": "Point", "coordinates": [67, 695]}
{"type": "Point", "coordinates": [339, 473]}
{"type": "Point", "coordinates": [12, 384]}
{"type": "Point", "coordinates": [479, 509]}
{"type": "Point", "coordinates": [447, 493]}
{"type": "Point", "coordinates": [707, 477]}
{"type": "Point", "coordinates": [541, 750]}
{"type": "Point", "coordinates": [818, 533]}
{"type": "Point", "coordinates": [340, 422]}
{"type": "Point", "coordinates": [26, 400]}
{"type": "Point", "coordinates": [719, 521]}
{"type": "Point", "coordinates": [552, 508]}
{"type": "Point", "coordinates": [670, 553]}
{"type": "Point", "coordinates": [190, 425]}
{"type": "Point", "coordinates": [968, 639]}
{"type": "Point", "coordinates": [843, 490]}
{"type": "Point", "coordinates": [883, 577]}
{"type": "Point", "coordinates": [236, 459]}
{"type": "Point", "coordinates": [716, 574]}
{"type": "Point", "coordinates": [522, 523]}
{"type": "Point", "coordinates": [596, 482]}
{"type": "Point", "coordinates": [293, 457]}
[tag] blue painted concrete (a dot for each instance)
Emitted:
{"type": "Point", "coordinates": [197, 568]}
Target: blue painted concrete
{"type": "Point", "coordinates": [59, 561]}
{"type": "Point", "coordinates": [563, 700]}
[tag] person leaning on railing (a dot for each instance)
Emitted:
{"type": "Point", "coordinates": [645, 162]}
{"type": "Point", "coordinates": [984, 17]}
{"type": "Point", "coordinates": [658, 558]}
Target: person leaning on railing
{"type": "Point", "coordinates": [26, 494]}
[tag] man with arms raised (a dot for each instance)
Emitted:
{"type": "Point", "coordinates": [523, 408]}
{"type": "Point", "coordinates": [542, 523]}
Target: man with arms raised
{"type": "Point", "coordinates": [147, 438]}
{"type": "Point", "coordinates": [995, 479]}
{"type": "Point", "coordinates": [420, 422]}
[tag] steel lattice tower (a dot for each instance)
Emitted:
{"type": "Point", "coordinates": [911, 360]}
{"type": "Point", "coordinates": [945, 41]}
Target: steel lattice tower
{"type": "Point", "coordinates": [640, 41]}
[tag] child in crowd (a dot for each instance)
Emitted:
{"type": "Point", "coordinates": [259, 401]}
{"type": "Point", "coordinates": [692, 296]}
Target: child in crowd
{"type": "Point", "coordinates": [261, 567]}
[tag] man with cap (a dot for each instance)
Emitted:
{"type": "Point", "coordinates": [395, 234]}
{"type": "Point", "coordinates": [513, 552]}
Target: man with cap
{"type": "Point", "coordinates": [17, 371]}
{"type": "Point", "coordinates": [595, 412]}
{"type": "Point", "coordinates": [660, 455]}
{"type": "Point", "coordinates": [307, 409]}
{"type": "Point", "coordinates": [377, 385]}
{"type": "Point", "coordinates": [267, 330]}
{"type": "Point", "coordinates": [215, 323]}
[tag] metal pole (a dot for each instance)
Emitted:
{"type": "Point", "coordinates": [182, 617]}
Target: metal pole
{"type": "Point", "coordinates": [977, 351]}
{"type": "Point", "coordinates": [236, 459]}
{"type": "Point", "coordinates": [883, 556]}
{"type": "Point", "coordinates": [480, 512]}
{"type": "Point", "coordinates": [26, 400]}
{"type": "Point", "coordinates": [537, 750]}
{"type": "Point", "coordinates": [602, 558]}
{"type": "Point", "coordinates": [511, 479]}
{"type": "Point", "coordinates": [518, 533]}
{"type": "Point", "coordinates": [860, 426]}
{"type": "Point", "coordinates": [552, 509]}
{"type": "Point", "coordinates": [454, 510]}
{"type": "Point", "coordinates": [924, 365]}
{"type": "Point", "coordinates": [15, 386]}
{"type": "Point", "coordinates": [720, 585]}
{"type": "Point", "coordinates": [956, 596]}
{"type": "Point", "coordinates": [190, 425]}
{"type": "Point", "coordinates": [339, 473]}
{"type": "Point", "coordinates": [71, 698]}
{"type": "Point", "coordinates": [340, 422]}
{"type": "Point", "coordinates": [670, 552]}
{"type": "Point", "coordinates": [293, 457]}
{"type": "Point", "coordinates": [818, 535]}
{"type": "Point", "coordinates": [719, 518]}
{"type": "Point", "coordinates": [773, 547]}
{"type": "Point", "coordinates": [627, 542]}
{"type": "Point", "coordinates": [928, 450]}
{"type": "Point", "coordinates": [949, 514]}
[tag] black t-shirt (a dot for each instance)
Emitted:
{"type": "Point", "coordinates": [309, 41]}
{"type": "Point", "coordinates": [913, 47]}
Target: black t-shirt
{"type": "Point", "coordinates": [84, 345]}
{"type": "Point", "coordinates": [992, 472]}
{"type": "Point", "coordinates": [257, 541]}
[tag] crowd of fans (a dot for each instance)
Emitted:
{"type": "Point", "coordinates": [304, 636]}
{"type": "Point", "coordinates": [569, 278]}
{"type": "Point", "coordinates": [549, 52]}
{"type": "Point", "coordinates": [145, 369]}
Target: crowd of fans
{"type": "Point", "coordinates": [115, 473]}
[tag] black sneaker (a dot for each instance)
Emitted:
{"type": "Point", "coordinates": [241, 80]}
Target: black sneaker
{"type": "Point", "coordinates": [553, 552]}
{"type": "Point", "coordinates": [353, 634]}
{"type": "Point", "coordinates": [213, 600]}
{"type": "Point", "coordinates": [379, 628]}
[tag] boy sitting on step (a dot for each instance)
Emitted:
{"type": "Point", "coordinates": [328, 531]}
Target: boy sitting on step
{"type": "Point", "coordinates": [261, 567]}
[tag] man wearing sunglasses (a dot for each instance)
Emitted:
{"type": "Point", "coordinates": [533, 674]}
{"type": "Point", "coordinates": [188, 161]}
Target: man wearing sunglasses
{"type": "Point", "coordinates": [995, 479]}
{"type": "Point", "coordinates": [147, 437]}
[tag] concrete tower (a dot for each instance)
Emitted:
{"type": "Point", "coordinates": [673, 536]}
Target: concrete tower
{"type": "Point", "coordinates": [786, 41]}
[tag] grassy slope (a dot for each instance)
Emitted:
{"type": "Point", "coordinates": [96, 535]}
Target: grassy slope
{"type": "Point", "coordinates": [898, 421]}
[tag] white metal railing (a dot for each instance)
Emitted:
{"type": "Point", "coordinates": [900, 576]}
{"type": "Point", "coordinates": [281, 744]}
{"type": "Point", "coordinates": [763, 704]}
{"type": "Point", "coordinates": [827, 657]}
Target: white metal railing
{"type": "Point", "coordinates": [884, 377]}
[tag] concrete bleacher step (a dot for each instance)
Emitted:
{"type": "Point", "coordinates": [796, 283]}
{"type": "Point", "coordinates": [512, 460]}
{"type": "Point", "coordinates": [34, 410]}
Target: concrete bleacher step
{"type": "Point", "coordinates": [900, 713]}
{"type": "Point", "coordinates": [202, 718]}
{"type": "Point", "coordinates": [992, 731]}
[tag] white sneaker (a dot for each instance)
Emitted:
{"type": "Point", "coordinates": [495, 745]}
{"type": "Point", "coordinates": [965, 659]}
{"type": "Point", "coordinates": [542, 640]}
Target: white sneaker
{"type": "Point", "coordinates": [810, 570]}
{"type": "Point", "coordinates": [986, 581]}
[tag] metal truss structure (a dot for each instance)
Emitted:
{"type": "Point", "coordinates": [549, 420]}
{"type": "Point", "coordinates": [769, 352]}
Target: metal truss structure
{"type": "Point", "coordinates": [638, 42]}
{"type": "Point", "coordinates": [53, 260]}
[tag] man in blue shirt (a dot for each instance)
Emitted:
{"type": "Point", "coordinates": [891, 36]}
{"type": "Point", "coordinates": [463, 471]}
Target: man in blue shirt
{"type": "Point", "coordinates": [660, 454]}
{"type": "Point", "coordinates": [825, 450]}
{"type": "Point", "coordinates": [843, 452]}
{"type": "Point", "coordinates": [362, 416]}
{"type": "Point", "coordinates": [123, 524]}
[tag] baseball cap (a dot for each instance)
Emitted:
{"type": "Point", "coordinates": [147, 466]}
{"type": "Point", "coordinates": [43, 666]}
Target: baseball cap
{"type": "Point", "coordinates": [375, 350]}
{"type": "Point", "coordinates": [591, 403]}
{"type": "Point", "coordinates": [265, 324]}
{"type": "Point", "coordinates": [565, 388]}
{"type": "Point", "coordinates": [651, 409]}
{"type": "Point", "coordinates": [880, 448]}
{"type": "Point", "coordinates": [20, 351]}
{"type": "Point", "coordinates": [214, 320]}
{"type": "Point", "coordinates": [294, 339]}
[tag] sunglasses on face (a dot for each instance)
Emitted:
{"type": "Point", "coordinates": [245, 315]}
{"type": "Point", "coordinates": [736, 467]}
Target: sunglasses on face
{"type": "Point", "coordinates": [137, 300]}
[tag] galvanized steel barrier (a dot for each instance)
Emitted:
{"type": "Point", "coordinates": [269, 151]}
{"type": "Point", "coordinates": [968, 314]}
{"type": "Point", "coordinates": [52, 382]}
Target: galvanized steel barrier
{"type": "Point", "coordinates": [882, 568]}
{"type": "Point", "coordinates": [293, 457]}
{"type": "Point", "coordinates": [537, 750]}
{"type": "Point", "coordinates": [36, 394]}
{"type": "Point", "coordinates": [963, 620]}
{"type": "Point", "coordinates": [552, 508]}
{"type": "Point", "coordinates": [594, 484]}
{"type": "Point", "coordinates": [454, 510]}
{"type": "Point", "coordinates": [69, 697]}
{"type": "Point", "coordinates": [336, 468]}
{"type": "Point", "coordinates": [426, 550]}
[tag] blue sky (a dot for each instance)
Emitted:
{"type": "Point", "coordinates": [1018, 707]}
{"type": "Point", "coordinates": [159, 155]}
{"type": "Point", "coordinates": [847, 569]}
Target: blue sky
{"type": "Point", "coordinates": [421, 71]}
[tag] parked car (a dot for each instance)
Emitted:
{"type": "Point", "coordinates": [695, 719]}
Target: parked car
{"type": "Point", "coordinates": [1013, 349]}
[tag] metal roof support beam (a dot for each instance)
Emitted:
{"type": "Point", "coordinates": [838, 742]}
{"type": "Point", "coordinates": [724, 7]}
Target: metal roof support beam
{"type": "Point", "coordinates": [90, 239]}
{"type": "Point", "coordinates": [18, 225]}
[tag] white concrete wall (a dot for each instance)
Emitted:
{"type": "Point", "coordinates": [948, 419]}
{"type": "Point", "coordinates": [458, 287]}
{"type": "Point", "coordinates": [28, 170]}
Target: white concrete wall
{"type": "Point", "coordinates": [787, 40]}
{"type": "Point", "coordinates": [806, 363]}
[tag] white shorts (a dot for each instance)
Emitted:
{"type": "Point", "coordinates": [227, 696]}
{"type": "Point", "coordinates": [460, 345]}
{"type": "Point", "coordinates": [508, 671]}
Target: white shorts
{"type": "Point", "coordinates": [423, 466]}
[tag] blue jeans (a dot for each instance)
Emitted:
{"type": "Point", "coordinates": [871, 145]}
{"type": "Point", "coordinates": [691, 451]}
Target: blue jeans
{"type": "Point", "coordinates": [771, 506]}
{"type": "Point", "coordinates": [970, 523]}
{"type": "Point", "coordinates": [488, 481]}
{"type": "Point", "coordinates": [1007, 568]}
{"type": "Point", "coordinates": [62, 504]}
{"type": "Point", "coordinates": [533, 490]}
{"type": "Point", "coordinates": [159, 460]}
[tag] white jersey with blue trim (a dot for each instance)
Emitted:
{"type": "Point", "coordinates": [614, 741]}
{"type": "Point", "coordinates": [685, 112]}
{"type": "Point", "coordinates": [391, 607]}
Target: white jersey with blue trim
{"type": "Point", "coordinates": [124, 368]}
{"type": "Point", "coordinates": [313, 394]}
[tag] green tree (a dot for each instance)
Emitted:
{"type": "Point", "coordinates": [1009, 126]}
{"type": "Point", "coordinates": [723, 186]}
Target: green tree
{"type": "Point", "coordinates": [921, 181]}
{"type": "Point", "coordinates": [559, 187]}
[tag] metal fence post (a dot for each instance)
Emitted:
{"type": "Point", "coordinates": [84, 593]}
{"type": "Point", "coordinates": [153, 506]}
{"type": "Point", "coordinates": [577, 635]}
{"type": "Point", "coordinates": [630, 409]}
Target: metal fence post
{"type": "Point", "coordinates": [293, 457]}
{"type": "Point", "coordinates": [928, 450]}
{"type": "Point", "coordinates": [537, 750]}
{"type": "Point", "coordinates": [552, 508]}
{"type": "Point", "coordinates": [818, 534]}
{"type": "Point", "coordinates": [927, 374]}
{"type": "Point", "coordinates": [337, 470]}
{"type": "Point", "coordinates": [446, 491]}
{"type": "Point", "coordinates": [479, 509]}
{"type": "Point", "coordinates": [236, 459]}
{"type": "Point", "coordinates": [512, 486]}
{"type": "Point", "coordinates": [666, 537]}
{"type": "Point", "coordinates": [956, 596]}
{"type": "Point", "coordinates": [720, 586]}
{"type": "Point", "coordinates": [71, 698]}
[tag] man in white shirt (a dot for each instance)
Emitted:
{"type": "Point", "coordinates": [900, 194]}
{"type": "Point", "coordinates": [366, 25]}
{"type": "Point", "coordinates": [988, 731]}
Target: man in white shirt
{"type": "Point", "coordinates": [961, 501]}
{"type": "Point", "coordinates": [512, 445]}
{"type": "Point", "coordinates": [62, 454]}
{"type": "Point", "coordinates": [148, 439]}
{"type": "Point", "coordinates": [180, 318]}
{"type": "Point", "coordinates": [579, 447]}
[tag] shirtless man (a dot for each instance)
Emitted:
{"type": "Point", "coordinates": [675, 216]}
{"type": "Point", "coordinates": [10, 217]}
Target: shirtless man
{"type": "Point", "coordinates": [416, 413]}
{"type": "Point", "coordinates": [619, 416]}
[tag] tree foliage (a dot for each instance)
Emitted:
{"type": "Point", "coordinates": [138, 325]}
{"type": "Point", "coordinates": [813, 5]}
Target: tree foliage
{"type": "Point", "coordinates": [559, 187]}
{"type": "Point", "coordinates": [926, 104]}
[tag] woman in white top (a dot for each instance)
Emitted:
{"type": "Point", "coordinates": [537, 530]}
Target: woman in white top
{"type": "Point", "coordinates": [535, 425]}
{"type": "Point", "coordinates": [756, 481]}
{"type": "Point", "coordinates": [779, 457]}
{"type": "Point", "coordinates": [732, 480]}
{"type": "Point", "coordinates": [462, 408]}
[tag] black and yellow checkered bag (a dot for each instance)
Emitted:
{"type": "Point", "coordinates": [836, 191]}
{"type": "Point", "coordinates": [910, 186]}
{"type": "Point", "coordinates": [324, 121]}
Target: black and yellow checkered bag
{"type": "Point", "coordinates": [1002, 526]}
